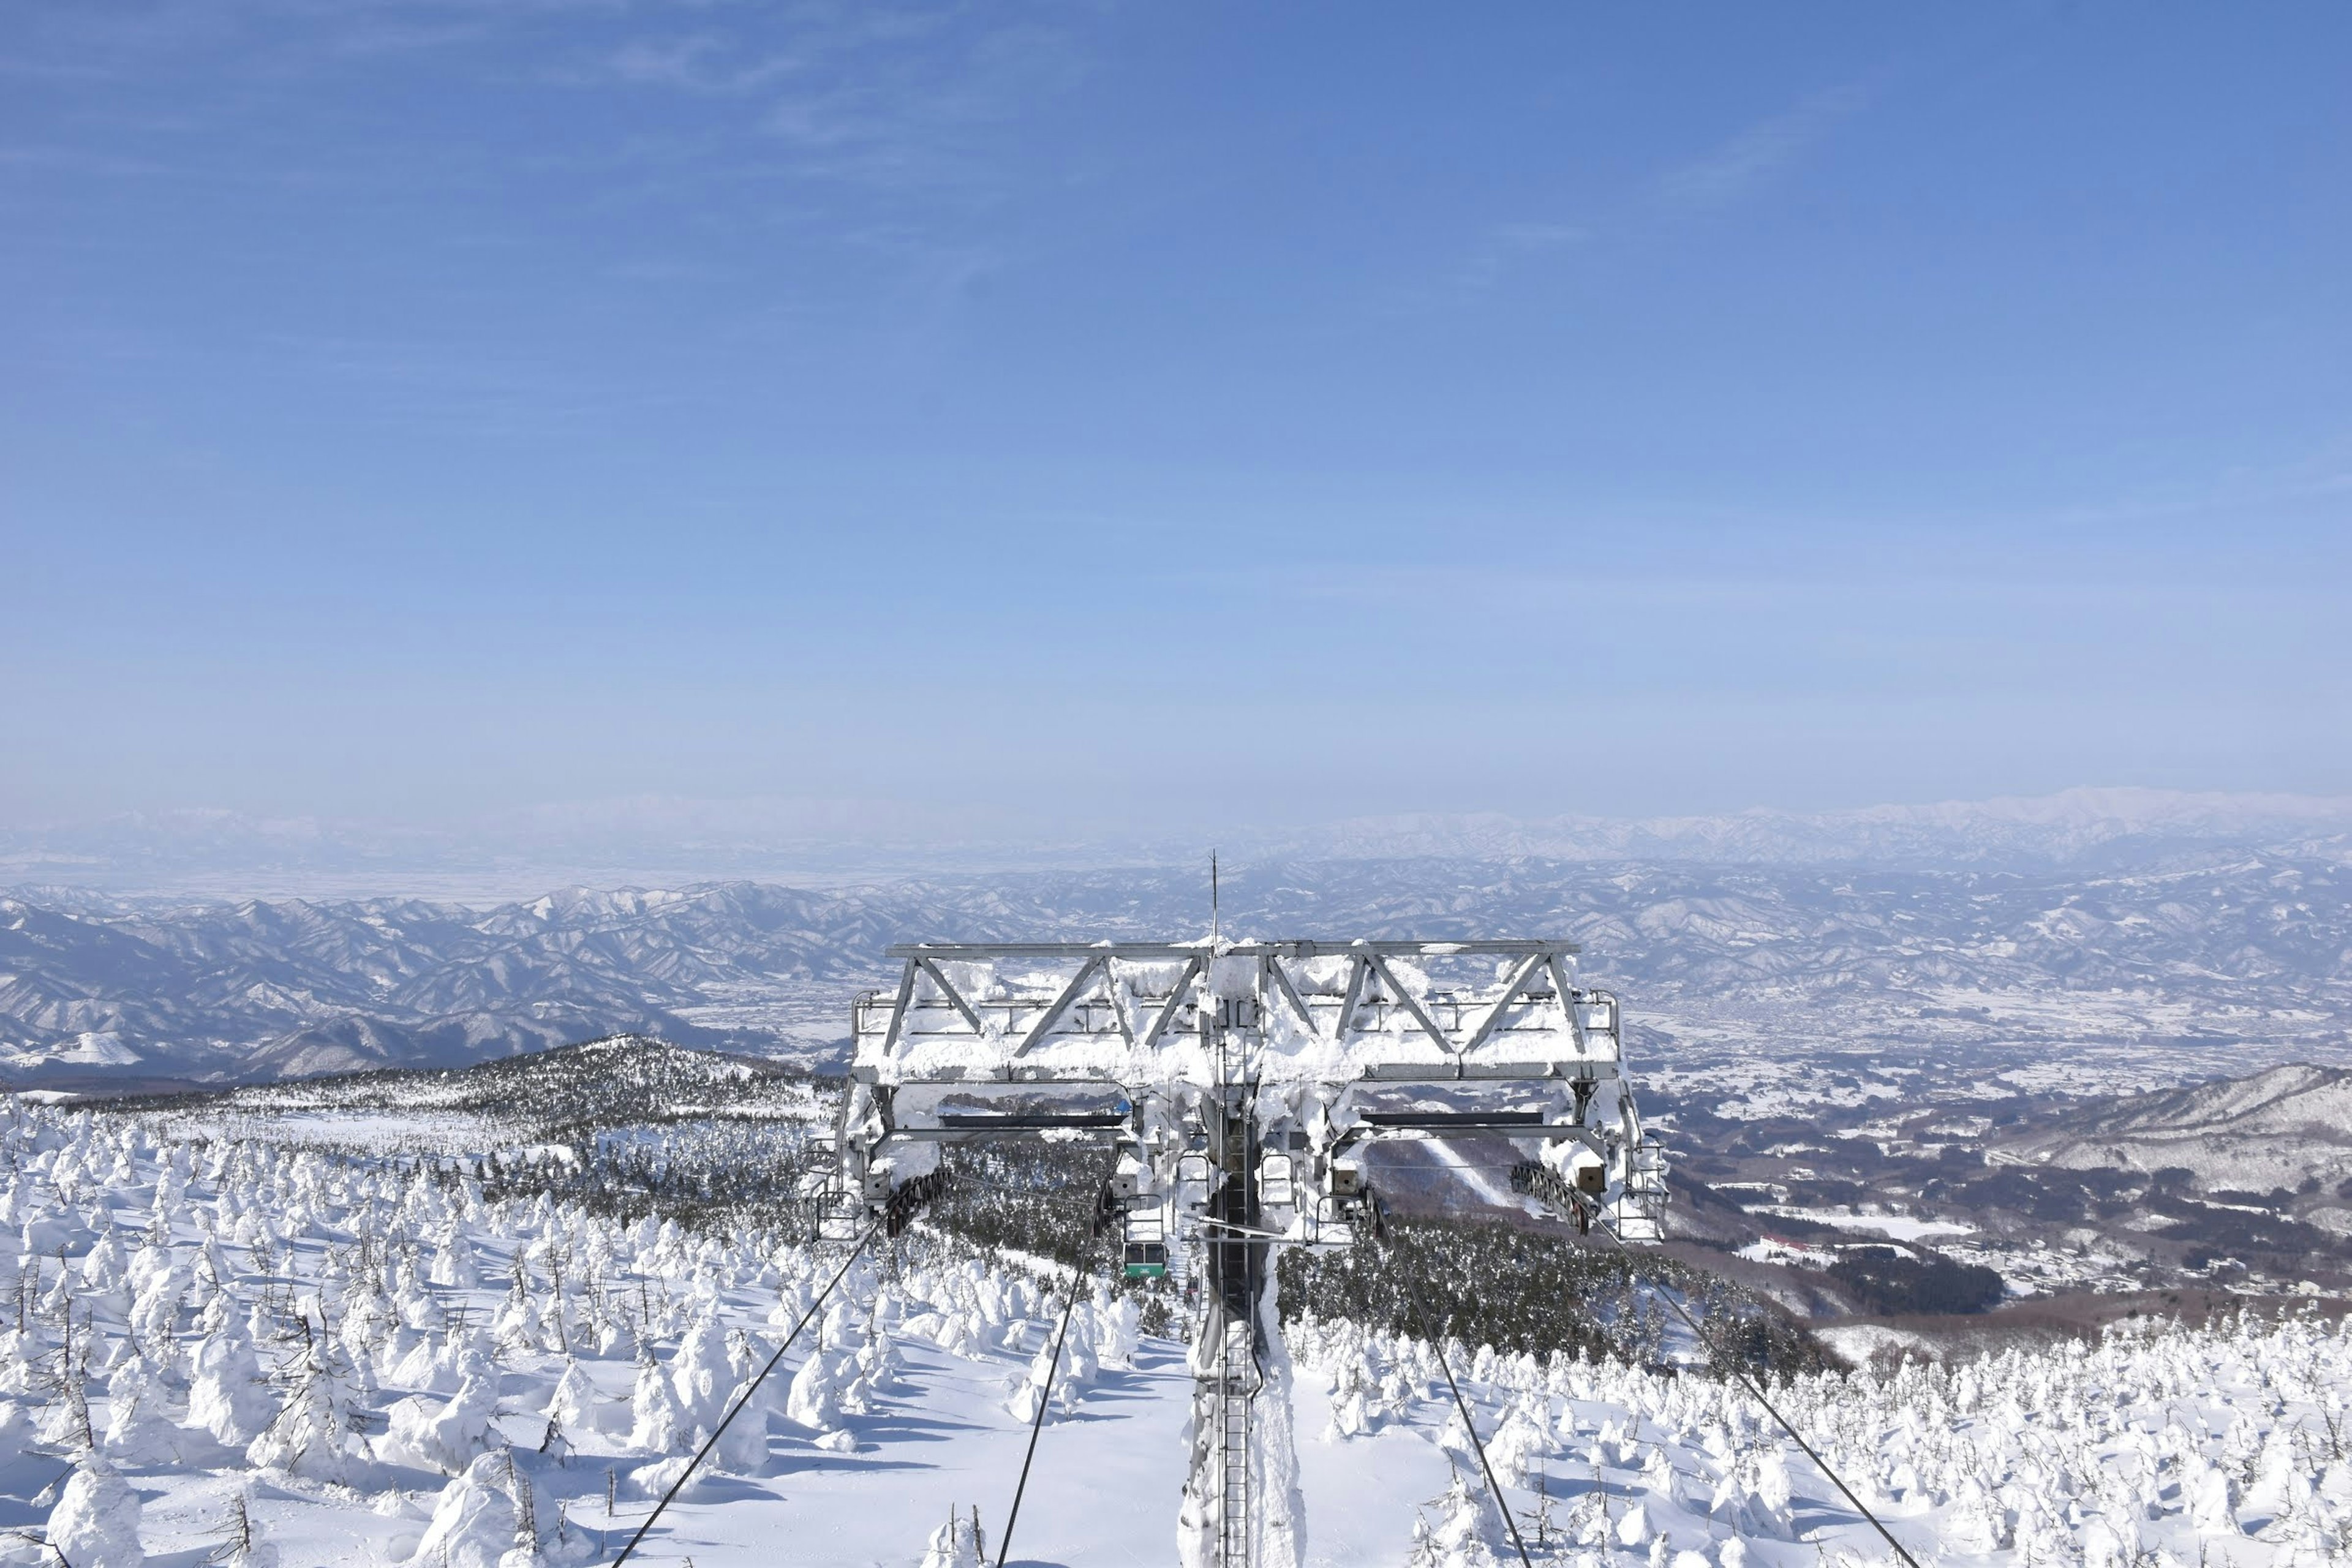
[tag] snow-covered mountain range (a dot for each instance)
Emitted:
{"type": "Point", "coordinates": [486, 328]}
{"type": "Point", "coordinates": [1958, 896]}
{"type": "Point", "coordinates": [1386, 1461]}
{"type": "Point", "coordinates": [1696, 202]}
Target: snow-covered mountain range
{"type": "Point", "coordinates": [2247, 953]}
{"type": "Point", "coordinates": [2288, 1127]}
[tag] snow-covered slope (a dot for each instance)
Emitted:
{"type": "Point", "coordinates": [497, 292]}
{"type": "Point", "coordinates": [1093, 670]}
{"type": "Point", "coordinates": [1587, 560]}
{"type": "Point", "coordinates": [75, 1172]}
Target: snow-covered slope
{"type": "Point", "coordinates": [2241, 952]}
{"type": "Point", "coordinates": [232, 1349]}
{"type": "Point", "coordinates": [2282, 1127]}
{"type": "Point", "coordinates": [510, 1103]}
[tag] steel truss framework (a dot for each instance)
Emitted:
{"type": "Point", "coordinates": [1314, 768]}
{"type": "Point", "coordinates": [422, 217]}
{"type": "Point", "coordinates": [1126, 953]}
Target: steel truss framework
{"type": "Point", "coordinates": [1052, 1010]}
{"type": "Point", "coordinates": [1240, 1083]}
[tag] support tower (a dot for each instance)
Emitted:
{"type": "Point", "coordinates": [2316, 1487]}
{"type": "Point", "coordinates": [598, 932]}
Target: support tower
{"type": "Point", "coordinates": [1240, 1085]}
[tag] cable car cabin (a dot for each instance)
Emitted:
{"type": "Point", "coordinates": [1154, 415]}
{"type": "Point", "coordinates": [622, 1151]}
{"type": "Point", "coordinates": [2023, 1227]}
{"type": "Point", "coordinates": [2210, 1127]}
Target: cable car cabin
{"type": "Point", "coordinates": [1144, 1255]}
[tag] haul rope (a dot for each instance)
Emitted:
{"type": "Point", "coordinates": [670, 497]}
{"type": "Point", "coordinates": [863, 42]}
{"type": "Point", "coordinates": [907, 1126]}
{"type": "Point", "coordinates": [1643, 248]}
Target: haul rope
{"type": "Point", "coordinates": [863, 1242]}
{"type": "Point", "coordinates": [1413, 1288]}
{"type": "Point", "coordinates": [1046, 1396]}
{"type": "Point", "coordinates": [1727, 1364]}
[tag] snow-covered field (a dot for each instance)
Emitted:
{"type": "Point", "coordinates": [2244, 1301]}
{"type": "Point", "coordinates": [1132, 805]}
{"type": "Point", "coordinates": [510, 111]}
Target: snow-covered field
{"type": "Point", "coordinates": [371, 1363]}
{"type": "Point", "coordinates": [1902, 1227]}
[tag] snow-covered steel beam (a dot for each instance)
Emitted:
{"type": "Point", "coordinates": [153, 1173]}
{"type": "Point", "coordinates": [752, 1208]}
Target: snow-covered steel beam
{"type": "Point", "coordinates": [1385, 947]}
{"type": "Point", "coordinates": [1138, 1013]}
{"type": "Point", "coordinates": [1518, 982]}
{"type": "Point", "coordinates": [1166, 1014]}
{"type": "Point", "coordinates": [1045, 1020]}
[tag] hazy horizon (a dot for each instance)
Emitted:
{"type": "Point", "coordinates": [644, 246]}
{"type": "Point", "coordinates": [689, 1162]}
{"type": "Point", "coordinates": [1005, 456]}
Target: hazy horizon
{"type": "Point", "coordinates": [653, 843]}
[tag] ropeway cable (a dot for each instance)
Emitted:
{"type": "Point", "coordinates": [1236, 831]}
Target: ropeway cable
{"type": "Point", "coordinates": [1727, 1364]}
{"type": "Point", "coordinates": [1046, 1396]}
{"type": "Point", "coordinates": [1413, 1288]}
{"type": "Point", "coordinates": [863, 1242]}
{"type": "Point", "coordinates": [1037, 1420]}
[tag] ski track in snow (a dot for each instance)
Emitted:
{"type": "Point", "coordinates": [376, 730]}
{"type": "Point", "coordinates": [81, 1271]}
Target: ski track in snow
{"type": "Point", "coordinates": [2150, 1446]}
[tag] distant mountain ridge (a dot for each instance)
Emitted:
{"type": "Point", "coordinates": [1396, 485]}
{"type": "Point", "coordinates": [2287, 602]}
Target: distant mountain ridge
{"type": "Point", "coordinates": [679, 840]}
{"type": "Point", "coordinates": [2280, 1128]}
{"type": "Point", "coordinates": [2043, 830]}
{"type": "Point", "coordinates": [2203, 952]}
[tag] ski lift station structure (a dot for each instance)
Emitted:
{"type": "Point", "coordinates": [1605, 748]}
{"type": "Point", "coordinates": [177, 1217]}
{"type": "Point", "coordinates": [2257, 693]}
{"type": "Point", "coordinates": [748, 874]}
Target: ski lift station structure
{"type": "Point", "coordinates": [1239, 1086]}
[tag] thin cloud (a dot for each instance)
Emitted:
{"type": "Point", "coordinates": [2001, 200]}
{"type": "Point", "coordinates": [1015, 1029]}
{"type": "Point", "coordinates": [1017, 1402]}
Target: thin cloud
{"type": "Point", "coordinates": [700, 63]}
{"type": "Point", "coordinates": [884, 98]}
{"type": "Point", "coordinates": [79, 160]}
{"type": "Point", "coordinates": [1511, 245]}
{"type": "Point", "coordinates": [1759, 154]}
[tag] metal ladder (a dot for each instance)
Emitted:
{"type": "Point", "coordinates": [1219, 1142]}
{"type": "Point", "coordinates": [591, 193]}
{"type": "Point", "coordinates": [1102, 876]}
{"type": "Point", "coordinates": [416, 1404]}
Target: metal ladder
{"type": "Point", "coordinates": [1236, 1385]}
{"type": "Point", "coordinates": [1237, 1371]}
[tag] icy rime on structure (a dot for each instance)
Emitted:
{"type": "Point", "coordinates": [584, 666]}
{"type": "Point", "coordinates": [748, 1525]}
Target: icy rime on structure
{"type": "Point", "coordinates": [1239, 1084]}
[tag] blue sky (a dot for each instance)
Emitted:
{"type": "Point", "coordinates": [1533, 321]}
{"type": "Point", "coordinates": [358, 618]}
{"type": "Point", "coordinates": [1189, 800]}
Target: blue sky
{"type": "Point", "coordinates": [1148, 414]}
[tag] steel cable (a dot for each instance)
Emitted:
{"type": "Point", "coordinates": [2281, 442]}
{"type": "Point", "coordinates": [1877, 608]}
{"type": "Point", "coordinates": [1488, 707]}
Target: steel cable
{"type": "Point", "coordinates": [1725, 1363]}
{"type": "Point", "coordinates": [687, 1474]}
{"type": "Point", "coordinates": [1046, 1396]}
{"type": "Point", "coordinates": [1422, 1316]}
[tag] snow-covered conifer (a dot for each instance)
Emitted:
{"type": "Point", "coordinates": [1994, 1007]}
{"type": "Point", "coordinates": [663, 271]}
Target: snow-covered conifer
{"type": "Point", "coordinates": [138, 1429]}
{"type": "Point", "coordinates": [1030, 1389]}
{"type": "Point", "coordinates": [312, 1432]}
{"type": "Point", "coordinates": [813, 1400]}
{"type": "Point", "coordinates": [701, 1373]}
{"type": "Point", "coordinates": [1754, 1498]}
{"type": "Point", "coordinates": [453, 1261]}
{"type": "Point", "coordinates": [446, 1435]}
{"type": "Point", "coordinates": [878, 1363]}
{"type": "Point", "coordinates": [575, 1405]}
{"type": "Point", "coordinates": [955, 1544]}
{"type": "Point", "coordinates": [475, 1521]}
{"type": "Point", "coordinates": [95, 1523]}
{"type": "Point", "coordinates": [742, 1446]}
{"type": "Point", "coordinates": [244, 1544]}
{"type": "Point", "coordinates": [1350, 1413]}
{"type": "Point", "coordinates": [228, 1397]}
{"type": "Point", "coordinates": [1521, 1444]}
{"type": "Point", "coordinates": [1464, 1535]}
{"type": "Point", "coordinates": [657, 1425]}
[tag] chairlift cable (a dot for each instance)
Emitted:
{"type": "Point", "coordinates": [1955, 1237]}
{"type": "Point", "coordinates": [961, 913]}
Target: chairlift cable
{"type": "Point", "coordinates": [863, 1242]}
{"type": "Point", "coordinates": [1757, 1394]}
{"type": "Point", "coordinates": [1046, 1396]}
{"type": "Point", "coordinates": [1502, 1504]}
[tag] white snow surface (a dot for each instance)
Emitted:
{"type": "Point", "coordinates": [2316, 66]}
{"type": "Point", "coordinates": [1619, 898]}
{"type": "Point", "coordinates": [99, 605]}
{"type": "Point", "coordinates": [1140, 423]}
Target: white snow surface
{"type": "Point", "coordinates": [451, 1379]}
{"type": "Point", "coordinates": [1901, 1227]}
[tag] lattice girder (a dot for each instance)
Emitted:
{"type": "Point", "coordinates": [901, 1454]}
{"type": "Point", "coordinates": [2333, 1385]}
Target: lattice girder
{"type": "Point", "coordinates": [1133, 1013]}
